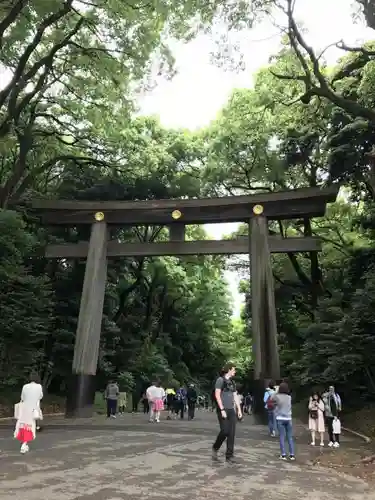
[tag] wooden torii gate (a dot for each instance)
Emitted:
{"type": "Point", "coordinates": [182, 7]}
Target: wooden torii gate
{"type": "Point", "coordinates": [256, 210]}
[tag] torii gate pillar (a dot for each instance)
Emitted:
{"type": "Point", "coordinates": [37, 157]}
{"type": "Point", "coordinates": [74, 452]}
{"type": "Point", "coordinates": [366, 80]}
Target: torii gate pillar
{"type": "Point", "coordinates": [263, 309]}
{"type": "Point", "coordinates": [81, 394]}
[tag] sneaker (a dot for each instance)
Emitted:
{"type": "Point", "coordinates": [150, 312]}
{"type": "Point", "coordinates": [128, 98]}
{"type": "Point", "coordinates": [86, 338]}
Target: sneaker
{"type": "Point", "coordinates": [292, 458]}
{"type": "Point", "coordinates": [313, 443]}
{"type": "Point", "coordinates": [231, 460]}
{"type": "Point", "coordinates": [215, 456]}
{"type": "Point", "coordinates": [336, 445]}
{"type": "Point", "coordinates": [330, 444]}
{"type": "Point", "coordinates": [157, 420]}
{"type": "Point", "coordinates": [282, 457]}
{"type": "Point", "coordinates": [322, 444]}
{"type": "Point", "coordinates": [24, 448]}
{"type": "Point", "coordinates": [273, 434]}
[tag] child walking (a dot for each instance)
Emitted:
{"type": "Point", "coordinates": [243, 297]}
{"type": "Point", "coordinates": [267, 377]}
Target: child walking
{"type": "Point", "coordinates": [283, 414]}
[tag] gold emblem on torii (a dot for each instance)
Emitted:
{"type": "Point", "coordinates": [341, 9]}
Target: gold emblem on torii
{"type": "Point", "coordinates": [99, 216]}
{"type": "Point", "coordinates": [258, 209]}
{"type": "Point", "coordinates": [176, 214]}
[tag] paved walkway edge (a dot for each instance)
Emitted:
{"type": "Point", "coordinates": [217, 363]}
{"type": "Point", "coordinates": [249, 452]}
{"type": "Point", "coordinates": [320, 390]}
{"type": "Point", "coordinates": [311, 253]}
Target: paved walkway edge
{"type": "Point", "coordinates": [358, 434]}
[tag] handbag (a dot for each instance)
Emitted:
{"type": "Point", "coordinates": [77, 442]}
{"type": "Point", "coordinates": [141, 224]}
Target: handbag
{"type": "Point", "coordinates": [17, 409]}
{"type": "Point", "coordinates": [37, 414]}
{"type": "Point", "coordinates": [336, 426]}
{"type": "Point", "coordinates": [314, 414]}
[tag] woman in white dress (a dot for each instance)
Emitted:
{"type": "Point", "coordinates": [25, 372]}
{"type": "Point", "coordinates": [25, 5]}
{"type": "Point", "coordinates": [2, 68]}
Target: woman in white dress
{"type": "Point", "coordinates": [316, 418]}
{"type": "Point", "coordinates": [28, 412]}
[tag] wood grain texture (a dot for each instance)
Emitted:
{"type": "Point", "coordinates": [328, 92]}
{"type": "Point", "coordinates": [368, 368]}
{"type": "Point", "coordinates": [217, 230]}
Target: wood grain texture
{"type": "Point", "coordinates": [263, 309]}
{"type": "Point", "coordinates": [207, 247]}
{"type": "Point", "coordinates": [177, 232]}
{"type": "Point", "coordinates": [325, 195]}
{"type": "Point", "coordinates": [300, 203]}
{"type": "Point", "coordinates": [86, 348]}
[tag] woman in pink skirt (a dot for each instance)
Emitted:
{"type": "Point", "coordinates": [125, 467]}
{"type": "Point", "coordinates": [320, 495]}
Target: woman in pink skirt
{"type": "Point", "coordinates": [155, 395]}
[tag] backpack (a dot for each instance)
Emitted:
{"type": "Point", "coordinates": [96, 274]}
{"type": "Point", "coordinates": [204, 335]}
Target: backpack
{"type": "Point", "coordinates": [270, 404]}
{"type": "Point", "coordinates": [228, 386]}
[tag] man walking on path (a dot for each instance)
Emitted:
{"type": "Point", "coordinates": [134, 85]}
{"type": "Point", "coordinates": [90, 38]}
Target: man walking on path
{"type": "Point", "coordinates": [112, 393]}
{"type": "Point", "coordinates": [191, 401]}
{"type": "Point", "coordinates": [228, 409]}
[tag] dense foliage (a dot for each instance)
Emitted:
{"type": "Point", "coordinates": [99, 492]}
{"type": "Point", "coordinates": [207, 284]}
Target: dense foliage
{"type": "Point", "coordinates": [266, 139]}
{"type": "Point", "coordinates": [70, 72]}
{"type": "Point", "coordinates": [68, 130]}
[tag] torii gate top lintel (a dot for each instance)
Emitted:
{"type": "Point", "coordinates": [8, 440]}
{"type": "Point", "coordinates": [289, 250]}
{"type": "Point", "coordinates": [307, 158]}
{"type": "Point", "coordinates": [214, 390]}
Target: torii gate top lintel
{"type": "Point", "coordinates": [292, 204]}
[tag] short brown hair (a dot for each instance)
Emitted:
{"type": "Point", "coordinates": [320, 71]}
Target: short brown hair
{"type": "Point", "coordinates": [284, 388]}
{"type": "Point", "coordinates": [226, 368]}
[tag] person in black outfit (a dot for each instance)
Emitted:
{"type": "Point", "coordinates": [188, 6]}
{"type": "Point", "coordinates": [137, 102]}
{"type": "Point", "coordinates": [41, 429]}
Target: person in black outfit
{"type": "Point", "coordinates": [145, 404]}
{"type": "Point", "coordinates": [191, 401]}
{"type": "Point", "coordinates": [228, 410]}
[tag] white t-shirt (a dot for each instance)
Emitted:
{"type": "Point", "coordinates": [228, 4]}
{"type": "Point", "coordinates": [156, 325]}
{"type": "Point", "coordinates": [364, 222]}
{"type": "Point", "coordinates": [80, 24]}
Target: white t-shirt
{"type": "Point", "coordinates": [154, 392]}
{"type": "Point", "coordinates": [31, 395]}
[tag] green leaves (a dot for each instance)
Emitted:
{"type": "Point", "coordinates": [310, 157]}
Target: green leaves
{"type": "Point", "coordinates": [25, 303]}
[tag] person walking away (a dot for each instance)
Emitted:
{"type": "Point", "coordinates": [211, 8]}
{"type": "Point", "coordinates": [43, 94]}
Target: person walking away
{"type": "Point", "coordinates": [145, 404]}
{"type": "Point", "coordinates": [270, 408]}
{"type": "Point", "coordinates": [112, 393]}
{"type": "Point", "coordinates": [332, 408]}
{"type": "Point", "coordinates": [155, 396]}
{"type": "Point", "coordinates": [316, 418]}
{"type": "Point", "coordinates": [27, 412]}
{"type": "Point", "coordinates": [241, 401]}
{"type": "Point", "coordinates": [248, 404]}
{"type": "Point", "coordinates": [181, 401]}
{"type": "Point", "coordinates": [283, 415]}
{"type": "Point", "coordinates": [135, 401]}
{"type": "Point", "coordinates": [170, 393]}
{"type": "Point", "coordinates": [228, 411]}
{"type": "Point", "coordinates": [200, 402]}
{"type": "Point", "coordinates": [122, 401]}
{"type": "Point", "coordinates": [192, 397]}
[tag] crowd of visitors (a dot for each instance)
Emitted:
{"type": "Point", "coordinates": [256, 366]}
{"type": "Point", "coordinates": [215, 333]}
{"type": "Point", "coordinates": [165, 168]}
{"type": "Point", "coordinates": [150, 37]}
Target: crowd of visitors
{"type": "Point", "coordinates": [323, 410]}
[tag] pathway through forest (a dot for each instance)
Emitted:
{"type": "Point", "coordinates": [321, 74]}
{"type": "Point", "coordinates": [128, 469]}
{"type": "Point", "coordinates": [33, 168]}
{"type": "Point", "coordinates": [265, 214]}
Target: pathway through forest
{"type": "Point", "coordinates": [128, 458]}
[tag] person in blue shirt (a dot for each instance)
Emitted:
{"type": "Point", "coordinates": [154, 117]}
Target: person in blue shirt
{"type": "Point", "coordinates": [181, 401]}
{"type": "Point", "coordinates": [269, 405]}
